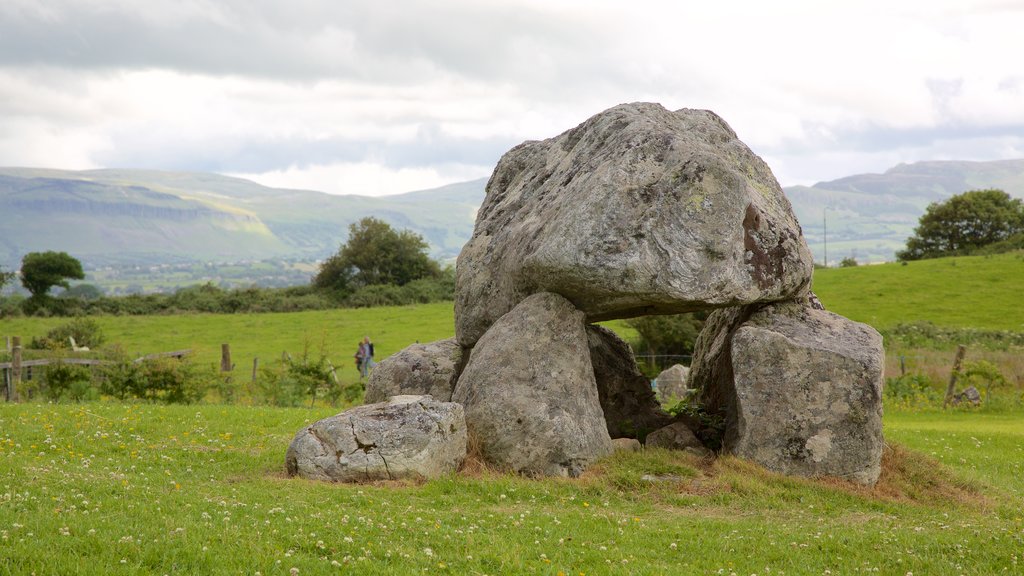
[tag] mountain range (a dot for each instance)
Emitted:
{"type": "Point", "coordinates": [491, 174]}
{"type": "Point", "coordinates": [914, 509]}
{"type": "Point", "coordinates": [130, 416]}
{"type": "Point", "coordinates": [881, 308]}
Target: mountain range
{"type": "Point", "coordinates": [117, 218]}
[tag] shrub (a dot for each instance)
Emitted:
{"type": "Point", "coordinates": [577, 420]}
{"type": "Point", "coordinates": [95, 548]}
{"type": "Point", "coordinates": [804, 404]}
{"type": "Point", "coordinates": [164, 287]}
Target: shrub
{"type": "Point", "coordinates": [912, 390]}
{"type": "Point", "coordinates": [167, 380]}
{"type": "Point", "coordinates": [85, 331]}
{"type": "Point", "coordinates": [68, 382]}
{"type": "Point", "coordinates": [293, 381]}
{"type": "Point", "coordinates": [983, 375]}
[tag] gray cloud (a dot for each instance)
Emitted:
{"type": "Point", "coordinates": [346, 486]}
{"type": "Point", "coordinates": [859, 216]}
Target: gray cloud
{"type": "Point", "coordinates": [431, 147]}
{"type": "Point", "coordinates": [310, 40]}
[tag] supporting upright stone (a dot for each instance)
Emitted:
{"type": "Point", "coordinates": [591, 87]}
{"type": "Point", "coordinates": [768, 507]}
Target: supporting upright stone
{"type": "Point", "coordinates": [529, 392]}
{"type": "Point", "coordinates": [805, 392]}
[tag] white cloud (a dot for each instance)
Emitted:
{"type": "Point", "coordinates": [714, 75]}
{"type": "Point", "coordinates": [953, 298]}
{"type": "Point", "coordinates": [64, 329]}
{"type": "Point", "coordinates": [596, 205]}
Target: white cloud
{"type": "Point", "coordinates": [366, 178]}
{"type": "Point", "coordinates": [392, 94]}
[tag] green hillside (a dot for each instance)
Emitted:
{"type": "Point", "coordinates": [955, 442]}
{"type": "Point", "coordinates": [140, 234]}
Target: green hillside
{"type": "Point", "coordinates": [147, 218]}
{"type": "Point", "coordinates": [870, 216]}
{"type": "Point", "coordinates": [982, 292]}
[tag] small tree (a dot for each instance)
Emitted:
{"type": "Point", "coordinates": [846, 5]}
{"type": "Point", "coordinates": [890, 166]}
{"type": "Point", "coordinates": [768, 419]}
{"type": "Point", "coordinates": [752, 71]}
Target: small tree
{"type": "Point", "coordinates": [376, 254]}
{"type": "Point", "coordinates": [668, 335]}
{"type": "Point", "coordinates": [963, 223]}
{"type": "Point", "coordinates": [848, 262]}
{"type": "Point", "coordinates": [5, 277]}
{"type": "Point", "coordinates": [41, 271]}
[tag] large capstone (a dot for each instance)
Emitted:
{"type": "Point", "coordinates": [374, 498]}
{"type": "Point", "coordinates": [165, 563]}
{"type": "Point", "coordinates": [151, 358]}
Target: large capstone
{"type": "Point", "coordinates": [407, 437]}
{"type": "Point", "coordinates": [427, 369]}
{"type": "Point", "coordinates": [630, 406]}
{"type": "Point", "coordinates": [529, 392]}
{"type": "Point", "coordinates": [803, 391]}
{"type": "Point", "coordinates": [637, 211]}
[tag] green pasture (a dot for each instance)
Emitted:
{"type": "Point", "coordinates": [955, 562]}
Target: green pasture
{"type": "Point", "coordinates": [104, 488]}
{"type": "Point", "coordinates": [983, 292]}
{"type": "Point", "coordinates": [335, 333]}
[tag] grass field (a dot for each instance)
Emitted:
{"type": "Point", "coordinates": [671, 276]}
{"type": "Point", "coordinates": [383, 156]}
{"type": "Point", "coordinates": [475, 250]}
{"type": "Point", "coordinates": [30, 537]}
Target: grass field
{"type": "Point", "coordinates": [983, 292]}
{"type": "Point", "coordinates": [103, 488]}
{"type": "Point", "coordinates": [268, 336]}
{"type": "Point", "coordinates": [106, 488]}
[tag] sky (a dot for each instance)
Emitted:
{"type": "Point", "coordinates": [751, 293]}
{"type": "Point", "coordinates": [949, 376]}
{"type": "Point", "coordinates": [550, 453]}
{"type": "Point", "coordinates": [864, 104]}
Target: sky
{"type": "Point", "coordinates": [380, 97]}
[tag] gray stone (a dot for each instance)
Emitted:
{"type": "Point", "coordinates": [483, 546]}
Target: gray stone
{"type": "Point", "coordinates": [808, 393]}
{"type": "Point", "coordinates": [671, 383]}
{"type": "Point", "coordinates": [626, 445]}
{"type": "Point", "coordinates": [406, 437]}
{"type": "Point", "coordinates": [711, 367]}
{"type": "Point", "coordinates": [529, 392]}
{"type": "Point", "coordinates": [636, 211]}
{"type": "Point", "coordinates": [676, 436]}
{"type": "Point", "coordinates": [630, 406]}
{"type": "Point", "coordinates": [969, 394]}
{"type": "Point", "coordinates": [430, 369]}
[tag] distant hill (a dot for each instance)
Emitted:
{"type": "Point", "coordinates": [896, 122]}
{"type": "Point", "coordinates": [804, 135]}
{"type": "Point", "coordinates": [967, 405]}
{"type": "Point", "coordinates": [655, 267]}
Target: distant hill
{"type": "Point", "coordinates": [870, 216]}
{"type": "Point", "coordinates": [140, 217]}
{"type": "Point", "coordinates": [124, 217]}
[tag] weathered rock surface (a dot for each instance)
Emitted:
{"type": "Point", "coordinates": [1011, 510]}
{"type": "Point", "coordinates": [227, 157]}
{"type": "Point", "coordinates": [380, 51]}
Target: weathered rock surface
{"type": "Point", "coordinates": [406, 437]}
{"type": "Point", "coordinates": [676, 436]}
{"type": "Point", "coordinates": [671, 383]}
{"type": "Point", "coordinates": [630, 406]}
{"type": "Point", "coordinates": [808, 393]}
{"type": "Point", "coordinates": [430, 369]}
{"type": "Point", "coordinates": [626, 445]}
{"type": "Point", "coordinates": [636, 211]}
{"type": "Point", "coordinates": [711, 366]}
{"type": "Point", "coordinates": [529, 392]}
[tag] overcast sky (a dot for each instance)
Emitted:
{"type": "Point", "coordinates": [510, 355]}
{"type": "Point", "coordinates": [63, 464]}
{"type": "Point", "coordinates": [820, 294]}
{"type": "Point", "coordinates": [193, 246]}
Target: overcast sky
{"type": "Point", "coordinates": [387, 96]}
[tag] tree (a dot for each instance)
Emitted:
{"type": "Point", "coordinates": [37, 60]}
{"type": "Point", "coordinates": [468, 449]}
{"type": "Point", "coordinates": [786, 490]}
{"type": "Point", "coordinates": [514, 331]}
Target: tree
{"type": "Point", "coordinates": [41, 271]}
{"type": "Point", "coordinates": [376, 254]}
{"type": "Point", "coordinates": [668, 335]}
{"type": "Point", "coordinates": [964, 223]}
{"type": "Point", "coordinates": [5, 277]}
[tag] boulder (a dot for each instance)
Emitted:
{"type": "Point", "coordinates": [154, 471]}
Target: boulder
{"type": "Point", "coordinates": [637, 211]}
{"type": "Point", "coordinates": [529, 392]}
{"type": "Point", "coordinates": [807, 387]}
{"type": "Point", "coordinates": [671, 383]}
{"type": "Point", "coordinates": [711, 367]}
{"type": "Point", "coordinates": [630, 406]}
{"type": "Point", "coordinates": [676, 436]}
{"type": "Point", "coordinates": [406, 437]}
{"type": "Point", "coordinates": [626, 445]}
{"type": "Point", "coordinates": [429, 369]}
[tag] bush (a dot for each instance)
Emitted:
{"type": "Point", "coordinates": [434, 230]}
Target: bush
{"type": "Point", "coordinates": [912, 390]}
{"type": "Point", "coordinates": [85, 331]}
{"type": "Point", "coordinates": [983, 375]}
{"type": "Point", "coordinates": [68, 382]}
{"type": "Point", "coordinates": [928, 335]}
{"type": "Point", "coordinates": [294, 381]}
{"type": "Point", "coordinates": [167, 380]}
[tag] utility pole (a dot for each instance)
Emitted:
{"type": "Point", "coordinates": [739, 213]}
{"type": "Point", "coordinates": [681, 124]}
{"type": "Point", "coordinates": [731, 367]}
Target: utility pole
{"type": "Point", "coordinates": [824, 218]}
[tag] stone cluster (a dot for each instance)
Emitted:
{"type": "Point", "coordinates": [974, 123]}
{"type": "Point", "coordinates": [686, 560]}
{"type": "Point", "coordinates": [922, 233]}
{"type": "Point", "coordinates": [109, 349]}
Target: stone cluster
{"type": "Point", "coordinates": [638, 211]}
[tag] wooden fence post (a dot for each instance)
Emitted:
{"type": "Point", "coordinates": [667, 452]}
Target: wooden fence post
{"type": "Point", "coordinates": [960, 351]}
{"type": "Point", "coordinates": [12, 389]}
{"type": "Point", "coordinates": [255, 367]}
{"type": "Point", "coordinates": [225, 358]}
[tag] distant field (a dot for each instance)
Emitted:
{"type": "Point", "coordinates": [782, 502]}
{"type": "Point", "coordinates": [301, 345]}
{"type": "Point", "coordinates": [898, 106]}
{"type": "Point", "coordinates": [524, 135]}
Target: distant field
{"type": "Point", "coordinates": [268, 335]}
{"type": "Point", "coordinates": [985, 292]}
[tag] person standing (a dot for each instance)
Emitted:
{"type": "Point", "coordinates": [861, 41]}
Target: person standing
{"type": "Point", "coordinates": [361, 352]}
{"type": "Point", "coordinates": [368, 363]}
